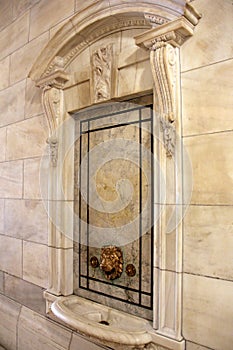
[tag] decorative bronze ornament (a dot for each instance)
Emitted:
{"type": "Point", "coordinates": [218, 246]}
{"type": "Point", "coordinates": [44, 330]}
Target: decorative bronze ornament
{"type": "Point", "coordinates": [111, 262]}
{"type": "Point", "coordinates": [94, 262]}
{"type": "Point", "coordinates": [130, 270]}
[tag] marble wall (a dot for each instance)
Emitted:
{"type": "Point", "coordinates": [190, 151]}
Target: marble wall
{"type": "Point", "coordinates": [207, 64]}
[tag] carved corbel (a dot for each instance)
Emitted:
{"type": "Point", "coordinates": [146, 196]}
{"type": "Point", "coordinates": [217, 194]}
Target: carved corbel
{"type": "Point", "coordinates": [52, 84]}
{"type": "Point", "coordinates": [163, 42]}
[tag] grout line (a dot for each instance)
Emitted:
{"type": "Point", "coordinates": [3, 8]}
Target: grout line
{"type": "Point", "coordinates": [206, 276]}
{"type": "Point", "coordinates": [17, 327]}
{"type": "Point", "coordinates": [205, 347]}
{"type": "Point", "coordinates": [206, 65]}
{"type": "Point", "coordinates": [207, 133]}
{"type": "Point", "coordinates": [71, 338]}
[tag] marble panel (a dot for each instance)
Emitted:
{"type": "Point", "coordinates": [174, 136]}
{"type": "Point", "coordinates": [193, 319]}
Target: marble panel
{"type": "Point", "coordinates": [77, 96]}
{"type": "Point", "coordinates": [207, 97]}
{"type": "Point", "coordinates": [134, 79]}
{"type": "Point", "coordinates": [5, 13]}
{"type": "Point", "coordinates": [208, 241]}
{"type": "Point", "coordinates": [80, 343]}
{"type": "Point", "coordinates": [212, 40]}
{"type": "Point", "coordinates": [35, 263]}
{"type": "Point", "coordinates": [32, 168]}
{"type": "Point", "coordinates": [1, 348]}
{"type": "Point", "coordinates": [25, 293]}
{"type": "Point", "coordinates": [211, 159]}
{"type": "Point", "coordinates": [21, 6]}
{"type": "Point", "coordinates": [5, 72]}
{"type": "Point", "coordinates": [207, 311]}
{"type": "Point", "coordinates": [11, 255]}
{"type": "Point", "coordinates": [27, 138]}
{"type": "Point", "coordinates": [46, 14]}
{"type": "Point", "coordinates": [3, 144]}
{"type": "Point", "coordinates": [9, 313]}
{"type": "Point", "coordinates": [11, 179]}
{"type": "Point", "coordinates": [58, 26]}
{"type": "Point", "coordinates": [33, 104]}
{"type": "Point", "coordinates": [1, 282]}
{"type": "Point", "coordinates": [26, 219]}
{"type": "Point", "coordinates": [14, 36]}
{"type": "Point", "coordinates": [37, 332]}
{"type": "Point", "coordinates": [22, 59]}
{"type": "Point", "coordinates": [193, 346]}
{"type": "Point", "coordinates": [11, 106]}
{"type": "Point", "coordinates": [1, 216]}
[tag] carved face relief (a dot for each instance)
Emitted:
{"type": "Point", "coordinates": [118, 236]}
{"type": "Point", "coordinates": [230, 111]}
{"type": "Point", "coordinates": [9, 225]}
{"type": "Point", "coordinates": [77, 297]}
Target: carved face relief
{"type": "Point", "coordinates": [111, 262]}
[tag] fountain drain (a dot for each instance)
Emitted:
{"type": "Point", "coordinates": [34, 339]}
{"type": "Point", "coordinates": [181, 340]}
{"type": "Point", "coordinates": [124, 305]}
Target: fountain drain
{"type": "Point", "coordinates": [106, 323]}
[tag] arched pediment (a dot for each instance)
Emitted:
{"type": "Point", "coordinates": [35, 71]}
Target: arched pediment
{"type": "Point", "coordinates": [98, 20]}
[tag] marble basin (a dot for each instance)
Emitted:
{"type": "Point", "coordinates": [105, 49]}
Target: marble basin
{"type": "Point", "coordinates": [102, 322]}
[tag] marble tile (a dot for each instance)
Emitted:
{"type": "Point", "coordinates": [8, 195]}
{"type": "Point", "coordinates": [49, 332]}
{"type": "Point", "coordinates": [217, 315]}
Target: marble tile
{"type": "Point", "coordinates": [11, 255]}
{"type": "Point", "coordinates": [32, 168]}
{"type": "Point", "coordinates": [33, 102]}
{"type": "Point", "coordinates": [80, 343]}
{"type": "Point", "coordinates": [211, 159]}
{"type": "Point", "coordinates": [21, 6]}
{"type": "Point", "coordinates": [35, 263]}
{"type": "Point", "coordinates": [208, 241]}
{"type": "Point", "coordinates": [192, 346]}
{"type": "Point", "coordinates": [5, 13]}
{"type": "Point", "coordinates": [1, 282]}
{"type": "Point", "coordinates": [208, 310]}
{"type": "Point", "coordinates": [25, 293]}
{"type": "Point", "coordinates": [26, 219]}
{"type": "Point", "coordinates": [27, 138]}
{"type": "Point", "coordinates": [9, 313]}
{"type": "Point", "coordinates": [3, 144]}
{"type": "Point", "coordinates": [11, 106]}
{"type": "Point", "coordinates": [11, 179]}
{"type": "Point", "coordinates": [58, 26]}
{"type": "Point", "coordinates": [5, 72]}
{"type": "Point", "coordinates": [46, 14]}
{"type": "Point", "coordinates": [23, 59]}
{"type": "Point", "coordinates": [14, 36]}
{"type": "Point", "coordinates": [212, 40]}
{"type": "Point", "coordinates": [77, 96]}
{"type": "Point", "coordinates": [41, 332]}
{"type": "Point", "coordinates": [1, 216]}
{"type": "Point", "coordinates": [207, 97]}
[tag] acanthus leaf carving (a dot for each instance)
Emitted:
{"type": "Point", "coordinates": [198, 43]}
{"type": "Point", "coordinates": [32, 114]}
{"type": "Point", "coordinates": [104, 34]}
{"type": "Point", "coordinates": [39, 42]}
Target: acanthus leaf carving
{"type": "Point", "coordinates": [102, 73]}
{"type": "Point", "coordinates": [164, 61]}
{"type": "Point", "coordinates": [53, 150]}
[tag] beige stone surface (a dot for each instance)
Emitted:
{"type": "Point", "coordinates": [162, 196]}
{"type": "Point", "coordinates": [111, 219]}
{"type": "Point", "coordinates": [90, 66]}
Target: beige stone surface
{"type": "Point", "coordinates": [14, 36]}
{"type": "Point", "coordinates": [212, 41]}
{"type": "Point", "coordinates": [78, 96]}
{"type": "Point", "coordinates": [33, 103]}
{"type": "Point", "coordinates": [35, 263]}
{"type": "Point", "coordinates": [11, 255]}
{"type": "Point", "coordinates": [80, 343]}
{"type": "Point", "coordinates": [27, 138]}
{"type": "Point", "coordinates": [207, 97]}
{"type": "Point", "coordinates": [26, 219]}
{"type": "Point", "coordinates": [211, 158]}
{"type": "Point", "coordinates": [11, 106]}
{"type": "Point", "coordinates": [20, 6]}
{"type": "Point", "coordinates": [46, 14]}
{"type": "Point", "coordinates": [32, 178]}
{"type": "Point", "coordinates": [192, 346]}
{"type": "Point", "coordinates": [208, 241]}
{"type": "Point", "coordinates": [22, 59]}
{"type": "Point", "coordinates": [9, 313]}
{"type": "Point", "coordinates": [208, 310]}
{"type": "Point", "coordinates": [38, 332]}
{"type": "Point", "coordinates": [3, 144]}
{"type": "Point", "coordinates": [5, 72]}
{"type": "Point", "coordinates": [5, 13]}
{"type": "Point", "coordinates": [11, 179]}
{"type": "Point", "coordinates": [1, 216]}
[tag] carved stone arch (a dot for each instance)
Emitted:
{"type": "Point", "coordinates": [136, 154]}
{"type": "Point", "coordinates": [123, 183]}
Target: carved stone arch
{"type": "Point", "coordinates": [166, 25]}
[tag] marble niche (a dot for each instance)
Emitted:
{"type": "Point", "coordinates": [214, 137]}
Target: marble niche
{"type": "Point", "coordinates": [110, 79]}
